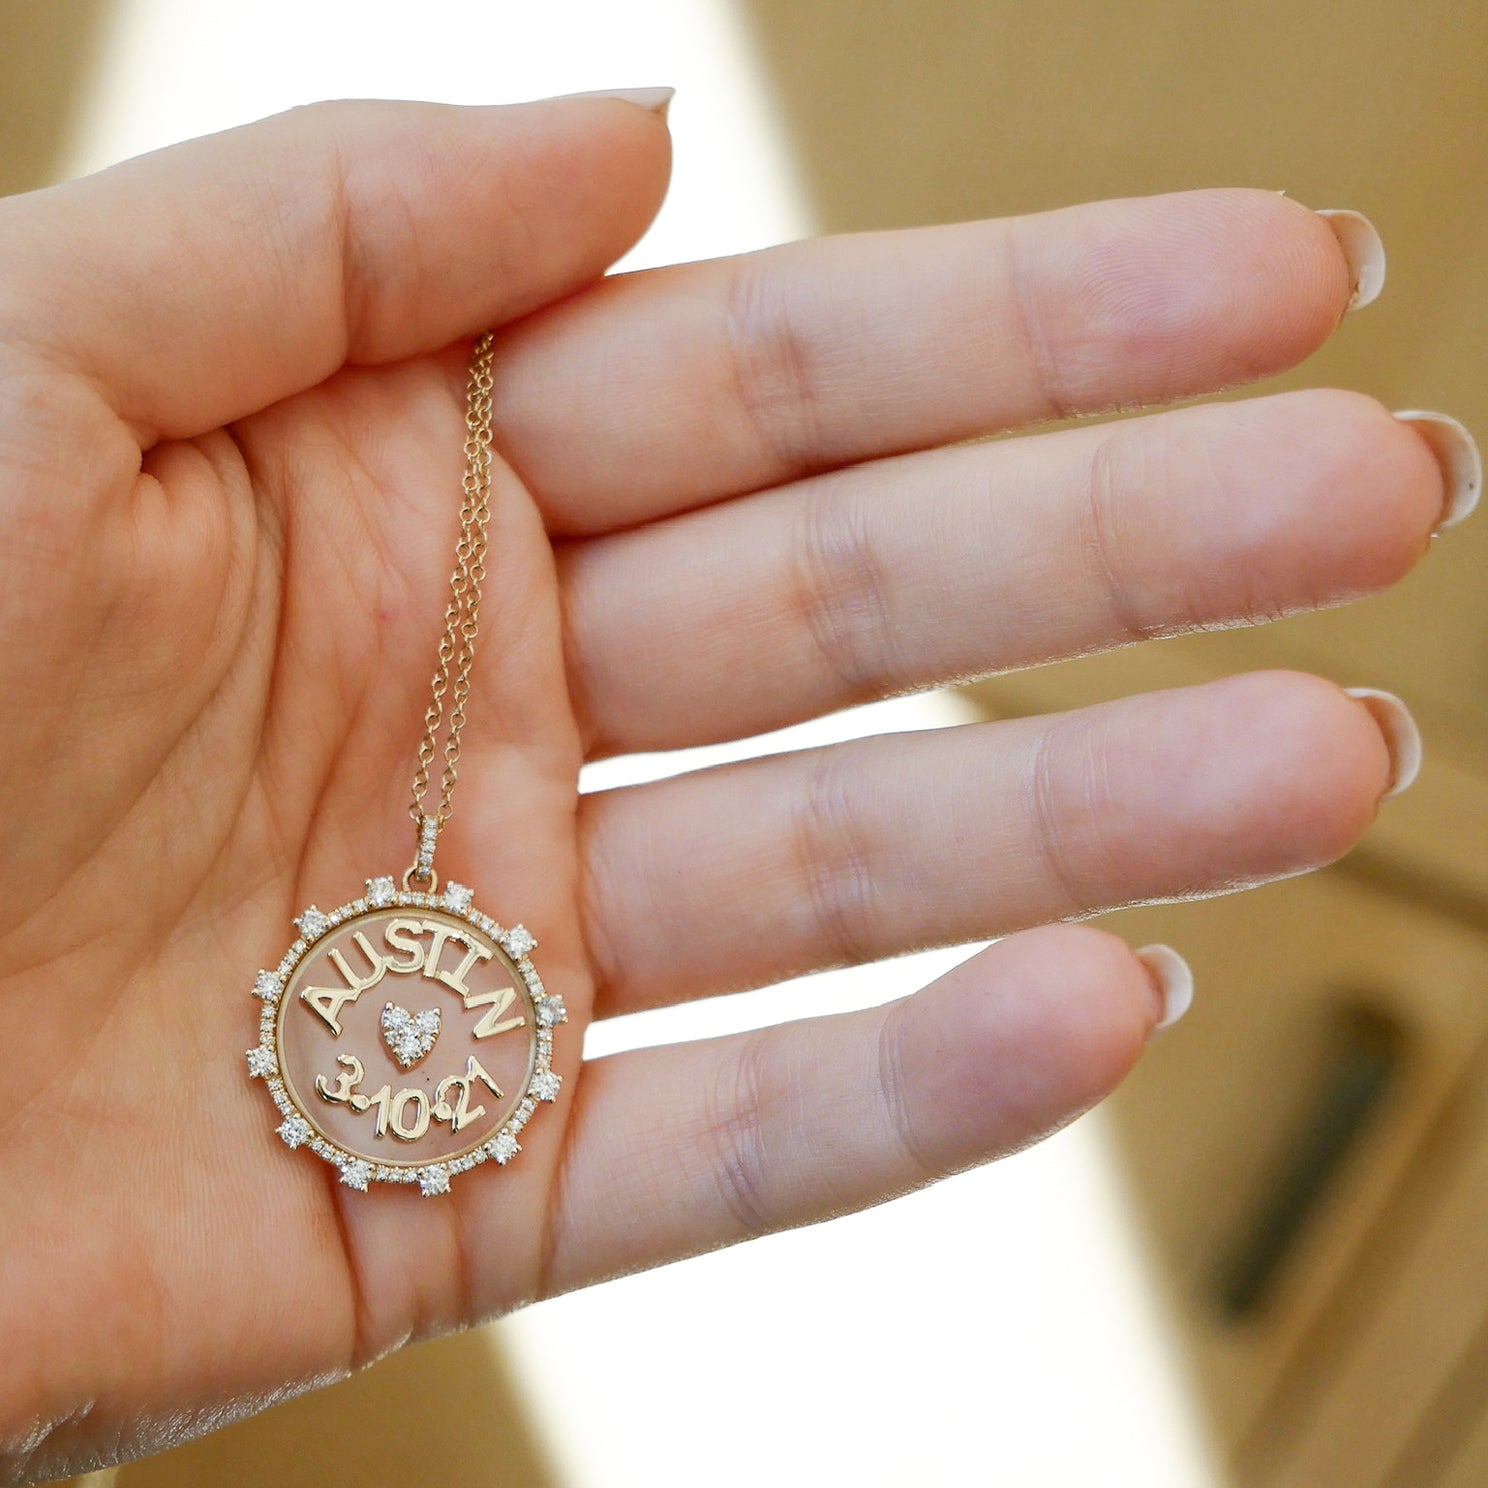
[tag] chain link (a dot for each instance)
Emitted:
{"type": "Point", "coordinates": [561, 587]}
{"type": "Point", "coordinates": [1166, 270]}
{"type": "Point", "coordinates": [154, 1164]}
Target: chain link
{"type": "Point", "coordinates": [461, 615]}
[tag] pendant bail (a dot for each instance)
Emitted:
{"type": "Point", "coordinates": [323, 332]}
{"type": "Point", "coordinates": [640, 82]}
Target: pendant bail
{"type": "Point", "coordinates": [422, 870]}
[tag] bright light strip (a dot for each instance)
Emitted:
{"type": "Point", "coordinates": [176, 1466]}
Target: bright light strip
{"type": "Point", "coordinates": [178, 68]}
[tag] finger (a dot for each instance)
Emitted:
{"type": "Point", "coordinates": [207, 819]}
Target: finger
{"type": "Point", "coordinates": [748, 873]}
{"type": "Point", "coordinates": [685, 384]}
{"type": "Point", "coordinates": [205, 281]}
{"type": "Point", "coordinates": [680, 1149]}
{"type": "Point", "coordinates": [901, 574]}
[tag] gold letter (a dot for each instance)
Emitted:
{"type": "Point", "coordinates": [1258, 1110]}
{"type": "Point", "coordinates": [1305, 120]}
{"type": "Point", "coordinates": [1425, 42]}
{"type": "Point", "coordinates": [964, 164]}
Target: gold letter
{"type": "Point", "coordinates": [328, 1002]}
{"type": "Point", "coordinates": [498, 1002]}
{"type": "Point", "coordinates": [455, 981]}
{"type": "Point", "coordinates": [359, 984]}
{"type": "Point", "coordinates": [402, 935]}
{"type": "Point", "coordinates": [441, 933]}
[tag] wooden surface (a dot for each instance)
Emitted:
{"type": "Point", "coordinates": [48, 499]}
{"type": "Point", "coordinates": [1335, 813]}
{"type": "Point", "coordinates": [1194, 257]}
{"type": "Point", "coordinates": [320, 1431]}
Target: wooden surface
{"type": "Point", "coordinates": [446, 1412]}
{"type": "Point", "coordinates": [47, 49]}
{"type": "Point", "coordinates": [1426, 1337]}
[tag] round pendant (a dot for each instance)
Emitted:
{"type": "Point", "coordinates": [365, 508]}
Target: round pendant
{"type": "Point", "coordinates": [406, 1037]}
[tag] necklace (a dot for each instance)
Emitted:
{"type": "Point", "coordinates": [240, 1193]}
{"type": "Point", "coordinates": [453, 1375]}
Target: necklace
{"type": "Point", "coordinates": [446, 1072]}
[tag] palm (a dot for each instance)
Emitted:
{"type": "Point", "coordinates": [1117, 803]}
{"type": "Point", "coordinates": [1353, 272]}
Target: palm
{"type": "Point", "coordinates": [290, 673]}
{"type": "Point", "coordinates": [215, 674]}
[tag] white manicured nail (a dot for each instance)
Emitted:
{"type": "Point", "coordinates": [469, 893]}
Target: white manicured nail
{"type": "Point", "coordinates": [1456, 452]}
{"type": "Point", "coordinates": [1364, 250]}
{"type": "Point", "coordinates": [657, 100]}
{"type": "Point", "coordinates": [1174, 980]}
{"type": "Point", "coordinates": [1402, 737]}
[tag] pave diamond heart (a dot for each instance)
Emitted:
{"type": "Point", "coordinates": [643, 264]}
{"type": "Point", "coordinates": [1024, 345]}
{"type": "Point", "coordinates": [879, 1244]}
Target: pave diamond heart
{"type": "Point", "coordinates": [409, 1036]}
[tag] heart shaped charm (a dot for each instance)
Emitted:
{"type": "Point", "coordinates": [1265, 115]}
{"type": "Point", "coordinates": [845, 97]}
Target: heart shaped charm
{"type": "Point", "coordinates": [409, 1036]}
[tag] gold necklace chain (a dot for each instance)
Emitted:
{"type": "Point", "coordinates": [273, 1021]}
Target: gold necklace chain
{"type": "Point", "coordinates": [461, 616]}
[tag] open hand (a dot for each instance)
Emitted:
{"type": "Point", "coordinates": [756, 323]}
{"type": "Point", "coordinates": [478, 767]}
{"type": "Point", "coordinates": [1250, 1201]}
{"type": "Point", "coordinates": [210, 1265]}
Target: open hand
{"type": "Point", "coordinates": [729, 497]}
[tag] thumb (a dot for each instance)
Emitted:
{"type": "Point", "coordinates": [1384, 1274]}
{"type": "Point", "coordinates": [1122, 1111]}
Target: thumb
{"type": "Point", "coordinates": [200, 283]}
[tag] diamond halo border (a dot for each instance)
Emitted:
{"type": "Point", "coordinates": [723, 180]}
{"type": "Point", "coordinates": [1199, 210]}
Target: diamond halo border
{"type": "Point", "coordinates": [296, 1130]}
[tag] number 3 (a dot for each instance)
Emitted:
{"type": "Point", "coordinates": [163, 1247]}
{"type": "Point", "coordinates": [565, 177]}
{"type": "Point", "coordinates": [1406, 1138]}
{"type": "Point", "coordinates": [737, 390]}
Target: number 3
{"type": "Point", "coordinates": [351, 1074]}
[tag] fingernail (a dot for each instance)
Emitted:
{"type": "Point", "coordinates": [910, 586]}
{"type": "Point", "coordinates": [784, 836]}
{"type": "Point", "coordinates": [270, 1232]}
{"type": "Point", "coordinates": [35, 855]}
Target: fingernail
{"type": "Point", "coordinates": [1456, 452]}
{"type": "Point", "coordinates": [1173, 979]}
{"type": "Point", "coordinates": [1402, 737]}
{"type": "Point", "coordinates": [656, 100]}
{"type": "Point", "coordinates": [1365, 252]}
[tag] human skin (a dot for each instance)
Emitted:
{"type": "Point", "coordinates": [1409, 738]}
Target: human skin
{"type": "Point", "coordinates": [728, 496]}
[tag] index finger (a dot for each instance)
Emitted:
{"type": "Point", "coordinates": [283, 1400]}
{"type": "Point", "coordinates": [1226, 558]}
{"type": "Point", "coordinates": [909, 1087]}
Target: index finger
{"type": "Point", "coordinates": [687, 384]}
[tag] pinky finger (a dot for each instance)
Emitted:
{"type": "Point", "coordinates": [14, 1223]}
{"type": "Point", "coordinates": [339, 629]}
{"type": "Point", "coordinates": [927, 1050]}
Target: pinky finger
{"type": "Point", "coordinates": [685, 1148]}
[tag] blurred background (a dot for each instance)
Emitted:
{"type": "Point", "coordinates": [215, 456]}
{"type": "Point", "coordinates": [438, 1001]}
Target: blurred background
{"type": "Point", "coordinates": [1260, 1264]}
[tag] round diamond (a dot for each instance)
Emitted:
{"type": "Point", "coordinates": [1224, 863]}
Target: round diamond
{"type": "Point", "coordinates": [433, 1180]}
{"type": "Point", "coordinates": [545, 1085]}
{"type": "Point", "coordinates": [504, 1147]}
{"type": "Point", "coordinates": [519, 941]}
{"type": "Point", "coordinates": [380, 892]}
{"type": "Point", "coordinates": [267, 985]}
{"type": "Point", "coordinates": [357, 1175]}
{"type": "Point", "coordinates": [312, 923]}
{"type": "Point", "coordinates": [294, 1130]}
{"type": "Point", "coordinates": [261, 1062]}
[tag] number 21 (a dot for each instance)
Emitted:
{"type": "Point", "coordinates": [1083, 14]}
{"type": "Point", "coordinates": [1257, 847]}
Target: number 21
{"type": "Point", "coordinates": [460, 1114]}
